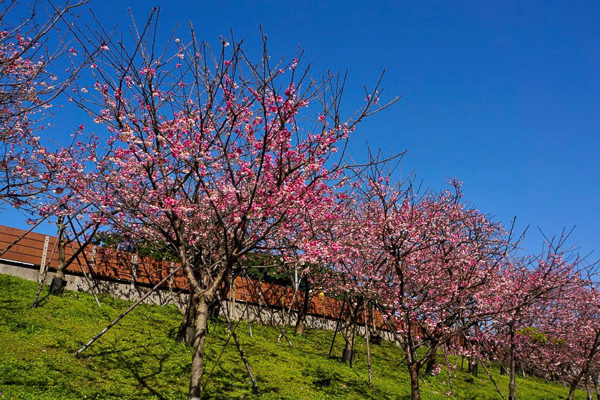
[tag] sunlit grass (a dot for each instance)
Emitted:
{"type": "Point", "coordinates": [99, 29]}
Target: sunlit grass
{"type": "Point", "coordinates": [139, 358]}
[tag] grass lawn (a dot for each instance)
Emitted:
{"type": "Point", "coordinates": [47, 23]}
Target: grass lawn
{"type": "Point", "coordinates": [139, 359]}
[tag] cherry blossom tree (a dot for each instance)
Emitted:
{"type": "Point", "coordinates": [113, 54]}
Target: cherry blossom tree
{"type": "Point", "coordinates": [216, 155]}
{"type": "Point", "coordinates": [222, 156]}
{"type": "Point", "coordinates": [34, 42]}
{"type": "Point", "coordinates": [354, 265]}
{"type": "Point", "coordinates": [572, 329]}
{"type": "Point", "coordinates": [427, 260]}
{"type": "Point", "coordinates": [30, 47]}
{"type": "Point", "coordinates": [524, 294]}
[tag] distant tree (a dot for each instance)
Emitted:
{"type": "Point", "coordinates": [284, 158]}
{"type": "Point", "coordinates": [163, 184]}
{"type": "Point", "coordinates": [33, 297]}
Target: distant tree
{"type": "Point", "coordinates": [572, 350]}
{"type": "Point", "coordinates": [526, 294]}
{"type": "Point", "coordinates": [428, 262]}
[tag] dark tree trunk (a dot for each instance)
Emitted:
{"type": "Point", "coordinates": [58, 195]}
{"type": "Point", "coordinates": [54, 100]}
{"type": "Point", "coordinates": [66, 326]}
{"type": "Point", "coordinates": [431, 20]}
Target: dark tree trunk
{"type": "Point", "coordinates": [187, 328]}
{"type": "Point", "coordinates": [574, 384]}
{"type": "Point", "coordinates": [350, 333]}
{"type": "Point", "coordinates": [348, 354]}
{"type": "Point", "coordinates": [57, 286]}
{"type": "Point", "coordinates": [512, 367]}
{"type": "Point", "coordinates": [198, 346]}
{"type": "Point", "coordinates": [431, 362]}
{"type": "Point", "coordinates": [585, 369]}
{"type": "Point", "coordinates": [475, 368]}
{"type": "Point", "coordinates": [412, 362]}
{"type": "Point", "coordinates": [587, 387]}
{"type": "Point", "coordinates": [300, 323]}
{"type": "Point", "coordinates": [415, 393]}
{"type": "Point", "coordinates": [215, 306]}
{"type": "Point", "coordinates": [214, 310]}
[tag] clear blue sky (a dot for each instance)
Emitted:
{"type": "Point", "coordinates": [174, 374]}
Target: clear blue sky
{"type": "Point", "coordinates": [503, 95]}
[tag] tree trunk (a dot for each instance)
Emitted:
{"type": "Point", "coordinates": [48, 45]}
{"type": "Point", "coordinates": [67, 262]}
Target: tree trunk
{"type": "Point", "coordinates": [475, 368]}
{"type": "Point", "coordinates": [512, 367]}
{"type": "Point", "coordinates": [300, 323]}
{"type": "Point", "coordinates": [349, 352]}
{"type": "Point", "coordinates": [350, 333]}
{"type": "Point", "coordinates": [214, 310]}
{"type": "Point", "coordinates": [431, 362]}
{"type": "Point", "coordinates": [415, 393]}
{"type": "Point", "coordinates": [574, 384]}
{"type": "Point", "coordinates": [585, 369]}
{"type": "Point", "coordinates": [198, 345]}
{"type": "Point", "coordinates": [587, 387]}
{"type": "Point", "coordinates": [57, 286]}
{"type": "Point", "coordinates": [187, 328]}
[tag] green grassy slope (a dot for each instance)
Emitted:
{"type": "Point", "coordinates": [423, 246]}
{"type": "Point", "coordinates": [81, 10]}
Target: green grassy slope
{"type": "Point", "coordinates": [139, 359]}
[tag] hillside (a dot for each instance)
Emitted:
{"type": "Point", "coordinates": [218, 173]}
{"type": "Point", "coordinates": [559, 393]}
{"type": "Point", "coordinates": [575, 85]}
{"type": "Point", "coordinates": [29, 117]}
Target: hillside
{"type": "Point", "coordinates": [140, 359]}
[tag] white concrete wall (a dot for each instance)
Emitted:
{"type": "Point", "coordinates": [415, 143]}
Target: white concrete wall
{"type": "Point", "coordinates": [127, 291]}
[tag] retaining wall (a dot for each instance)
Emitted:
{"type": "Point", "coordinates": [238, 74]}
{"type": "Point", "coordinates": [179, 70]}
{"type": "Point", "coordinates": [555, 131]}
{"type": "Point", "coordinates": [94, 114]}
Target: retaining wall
{"type": "Point", "coordinates": [127, 276]}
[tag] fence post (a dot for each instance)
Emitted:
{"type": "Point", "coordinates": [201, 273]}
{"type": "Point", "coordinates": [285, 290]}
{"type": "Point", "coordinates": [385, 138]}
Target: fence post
{"type": "Point", "coordinates": [232, 295]}
{"type": "Point", "coordinates": [43, 262]}
{"type": "Point", "coordinates": [134, 261]}
{"type": "Point", "coordinates": [171, 278]}
{"type": "Point", "coordinates": [93, 260]}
